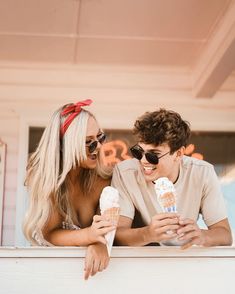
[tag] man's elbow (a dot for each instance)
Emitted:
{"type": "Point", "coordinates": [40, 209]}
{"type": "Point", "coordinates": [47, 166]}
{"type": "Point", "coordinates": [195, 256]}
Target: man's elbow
{"type": "Point", "coordinates": [230, 239]}
{"type": "Point", "coordinates": [227, 238]}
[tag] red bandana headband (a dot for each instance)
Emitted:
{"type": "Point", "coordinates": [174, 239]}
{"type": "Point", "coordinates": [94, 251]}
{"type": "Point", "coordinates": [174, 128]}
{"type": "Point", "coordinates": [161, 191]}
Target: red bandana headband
{"type": "Point", "coordinates": [73, 110]}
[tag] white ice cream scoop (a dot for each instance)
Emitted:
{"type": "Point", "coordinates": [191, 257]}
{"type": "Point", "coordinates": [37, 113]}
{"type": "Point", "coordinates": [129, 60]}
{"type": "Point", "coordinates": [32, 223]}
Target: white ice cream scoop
{"type": "Point", "coordinates": [109, 198]}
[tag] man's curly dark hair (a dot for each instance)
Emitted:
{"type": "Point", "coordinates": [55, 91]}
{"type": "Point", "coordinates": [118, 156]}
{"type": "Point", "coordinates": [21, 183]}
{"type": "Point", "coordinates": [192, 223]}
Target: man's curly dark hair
{"type": "Point", "coordinates": [162, 126]}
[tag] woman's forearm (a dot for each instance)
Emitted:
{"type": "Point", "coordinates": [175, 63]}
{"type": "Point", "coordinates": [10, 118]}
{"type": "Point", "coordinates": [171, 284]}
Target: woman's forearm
{"type": "Point", "coordinates": [61, 237]}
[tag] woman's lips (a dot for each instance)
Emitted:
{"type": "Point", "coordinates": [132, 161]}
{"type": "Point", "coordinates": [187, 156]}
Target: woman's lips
{"type": "Point", "coordinates": [92, 156]}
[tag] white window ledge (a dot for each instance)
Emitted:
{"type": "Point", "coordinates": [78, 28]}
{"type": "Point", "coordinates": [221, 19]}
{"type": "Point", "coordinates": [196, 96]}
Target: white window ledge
{"type": "Point", "coordinates": [160, 270]}
{"type": "Point", "coordinates": [121, 252]}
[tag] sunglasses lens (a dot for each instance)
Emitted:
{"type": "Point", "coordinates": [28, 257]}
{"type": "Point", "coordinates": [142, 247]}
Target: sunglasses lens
{"type": "Point", "coordinates": [102, 138]}
{"type": "Point", "coordinates": [93, 146]}
{"type": "Point", "coordinates": [136, 152]}
{"type": "Point", "coordinates": [151, 158]}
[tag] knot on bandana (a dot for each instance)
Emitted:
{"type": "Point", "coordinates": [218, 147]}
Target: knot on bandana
{"type": "Point", "coordinates": [73, 110]}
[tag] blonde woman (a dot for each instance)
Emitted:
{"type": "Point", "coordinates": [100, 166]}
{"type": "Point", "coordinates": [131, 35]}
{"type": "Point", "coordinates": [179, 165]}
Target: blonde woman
{"type": "Point", "coordinates": [65, 177]}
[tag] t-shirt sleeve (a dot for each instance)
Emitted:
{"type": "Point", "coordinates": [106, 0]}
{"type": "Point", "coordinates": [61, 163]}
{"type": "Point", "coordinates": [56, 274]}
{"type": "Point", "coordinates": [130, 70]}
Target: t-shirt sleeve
{"type": "Point", "coordinates": [126, 205]}
{"type": "Point", "coordinates": [212, 206]}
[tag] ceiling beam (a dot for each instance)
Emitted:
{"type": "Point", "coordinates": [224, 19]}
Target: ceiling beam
{"type": "Point", "coordinates": [218, 58]}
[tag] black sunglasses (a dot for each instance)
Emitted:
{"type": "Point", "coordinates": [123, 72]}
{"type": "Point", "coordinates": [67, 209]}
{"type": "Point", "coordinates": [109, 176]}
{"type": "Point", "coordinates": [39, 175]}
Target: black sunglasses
{"type": "Point", "coordinates": [137, 152]}
{"type": "Point", "coordinates": [92, 145]}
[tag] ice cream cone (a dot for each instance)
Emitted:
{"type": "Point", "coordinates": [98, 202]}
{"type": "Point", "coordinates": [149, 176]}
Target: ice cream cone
{"type": "Point", "coordinates": [166, 194]}
{"type": "Point", "coordinates": [168, 202]}
{"type": "Point", "coordinates": [112, 215]}
{"type": "Point", "coordinates": [109, 207]}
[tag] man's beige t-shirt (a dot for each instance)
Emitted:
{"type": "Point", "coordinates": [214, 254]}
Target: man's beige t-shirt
{"type": "Point", "coordinates": [197, 190]}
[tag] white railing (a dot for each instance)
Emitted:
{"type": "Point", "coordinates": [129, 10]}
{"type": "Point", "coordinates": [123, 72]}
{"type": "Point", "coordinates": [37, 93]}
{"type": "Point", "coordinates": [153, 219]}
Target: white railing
{"type": "Point", "coordinates": [157, 270]}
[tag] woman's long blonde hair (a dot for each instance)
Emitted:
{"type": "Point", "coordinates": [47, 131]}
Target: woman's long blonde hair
{"type": "Point", "coordinates": [48, 170]}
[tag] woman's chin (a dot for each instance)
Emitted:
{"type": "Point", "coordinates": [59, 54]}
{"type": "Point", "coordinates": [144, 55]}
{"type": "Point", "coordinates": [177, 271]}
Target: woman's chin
{"type": "Point", "coordinates": [89, 164]}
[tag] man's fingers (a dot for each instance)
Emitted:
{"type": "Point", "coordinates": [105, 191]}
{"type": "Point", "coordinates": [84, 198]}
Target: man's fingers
{"type": "Point", "coordinates": [162, 216]}
{"type": "Point", "coordinates": [166, 236]}
{"type": "Point", "coordinates": [189, 235]}
{"type": "Point", "coordinates": [186, 221]}
{"type": "Point", "coordinates": [170, 228]}
{"type": "Point", "coordinates": [187, 245]}
{"type": "Point", "coordinates": [188, 228]}
{"type": "Point", "coordinates": [167, 221]}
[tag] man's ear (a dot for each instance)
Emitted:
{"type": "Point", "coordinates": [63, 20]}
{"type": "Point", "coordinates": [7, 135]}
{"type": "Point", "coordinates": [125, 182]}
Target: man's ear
{"type": "Point", "coordinates": [180, 152]}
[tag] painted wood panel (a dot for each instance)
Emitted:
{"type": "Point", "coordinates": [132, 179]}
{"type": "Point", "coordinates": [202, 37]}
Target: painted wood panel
{"type": "Point", "coordinates": [9, 132]}
{"type": "Point", "coordinates": [131, 270]}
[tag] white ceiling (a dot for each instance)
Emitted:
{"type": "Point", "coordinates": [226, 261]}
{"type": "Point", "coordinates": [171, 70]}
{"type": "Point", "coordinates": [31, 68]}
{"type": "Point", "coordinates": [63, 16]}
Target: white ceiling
{"type": "Point", "coordinates": [196, 35]}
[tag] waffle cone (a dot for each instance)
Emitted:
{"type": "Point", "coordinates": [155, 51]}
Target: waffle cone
{"type": "Point", "coordinates": [112, 214]}
{"type": "Point", "coordinates": [168, 201]}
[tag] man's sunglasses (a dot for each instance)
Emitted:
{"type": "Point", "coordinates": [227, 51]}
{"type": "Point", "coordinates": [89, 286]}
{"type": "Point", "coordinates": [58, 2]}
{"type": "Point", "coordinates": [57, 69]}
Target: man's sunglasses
{"type": "Point", "coordinates": [137, 152]}
{"type": "Point", "coordinates": [92, 145]}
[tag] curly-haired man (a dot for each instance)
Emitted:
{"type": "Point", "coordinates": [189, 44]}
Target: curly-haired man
{"type": "Point", "coordinates": [162, 137]}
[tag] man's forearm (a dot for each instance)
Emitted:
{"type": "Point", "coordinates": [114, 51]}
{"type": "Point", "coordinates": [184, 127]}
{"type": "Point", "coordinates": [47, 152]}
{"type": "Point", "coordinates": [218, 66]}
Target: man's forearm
{"type": "Point", "coordinates": [217, 237]}
{"type": "Point", "coordinates": [132, 237]}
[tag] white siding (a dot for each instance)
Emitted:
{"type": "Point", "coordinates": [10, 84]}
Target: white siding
{"type": "Point", "coordinates": [9, 128]}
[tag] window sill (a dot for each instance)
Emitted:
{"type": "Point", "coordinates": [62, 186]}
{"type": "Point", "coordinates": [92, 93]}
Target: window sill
{"type": "Point", "coordinates": [120, 252]}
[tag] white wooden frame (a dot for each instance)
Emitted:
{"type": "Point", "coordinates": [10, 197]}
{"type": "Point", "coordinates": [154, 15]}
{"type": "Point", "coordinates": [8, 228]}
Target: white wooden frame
{"type": "Point", "coordinates": [3, 148]}
{"type": "Point", "coordinates": [152, 270]}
